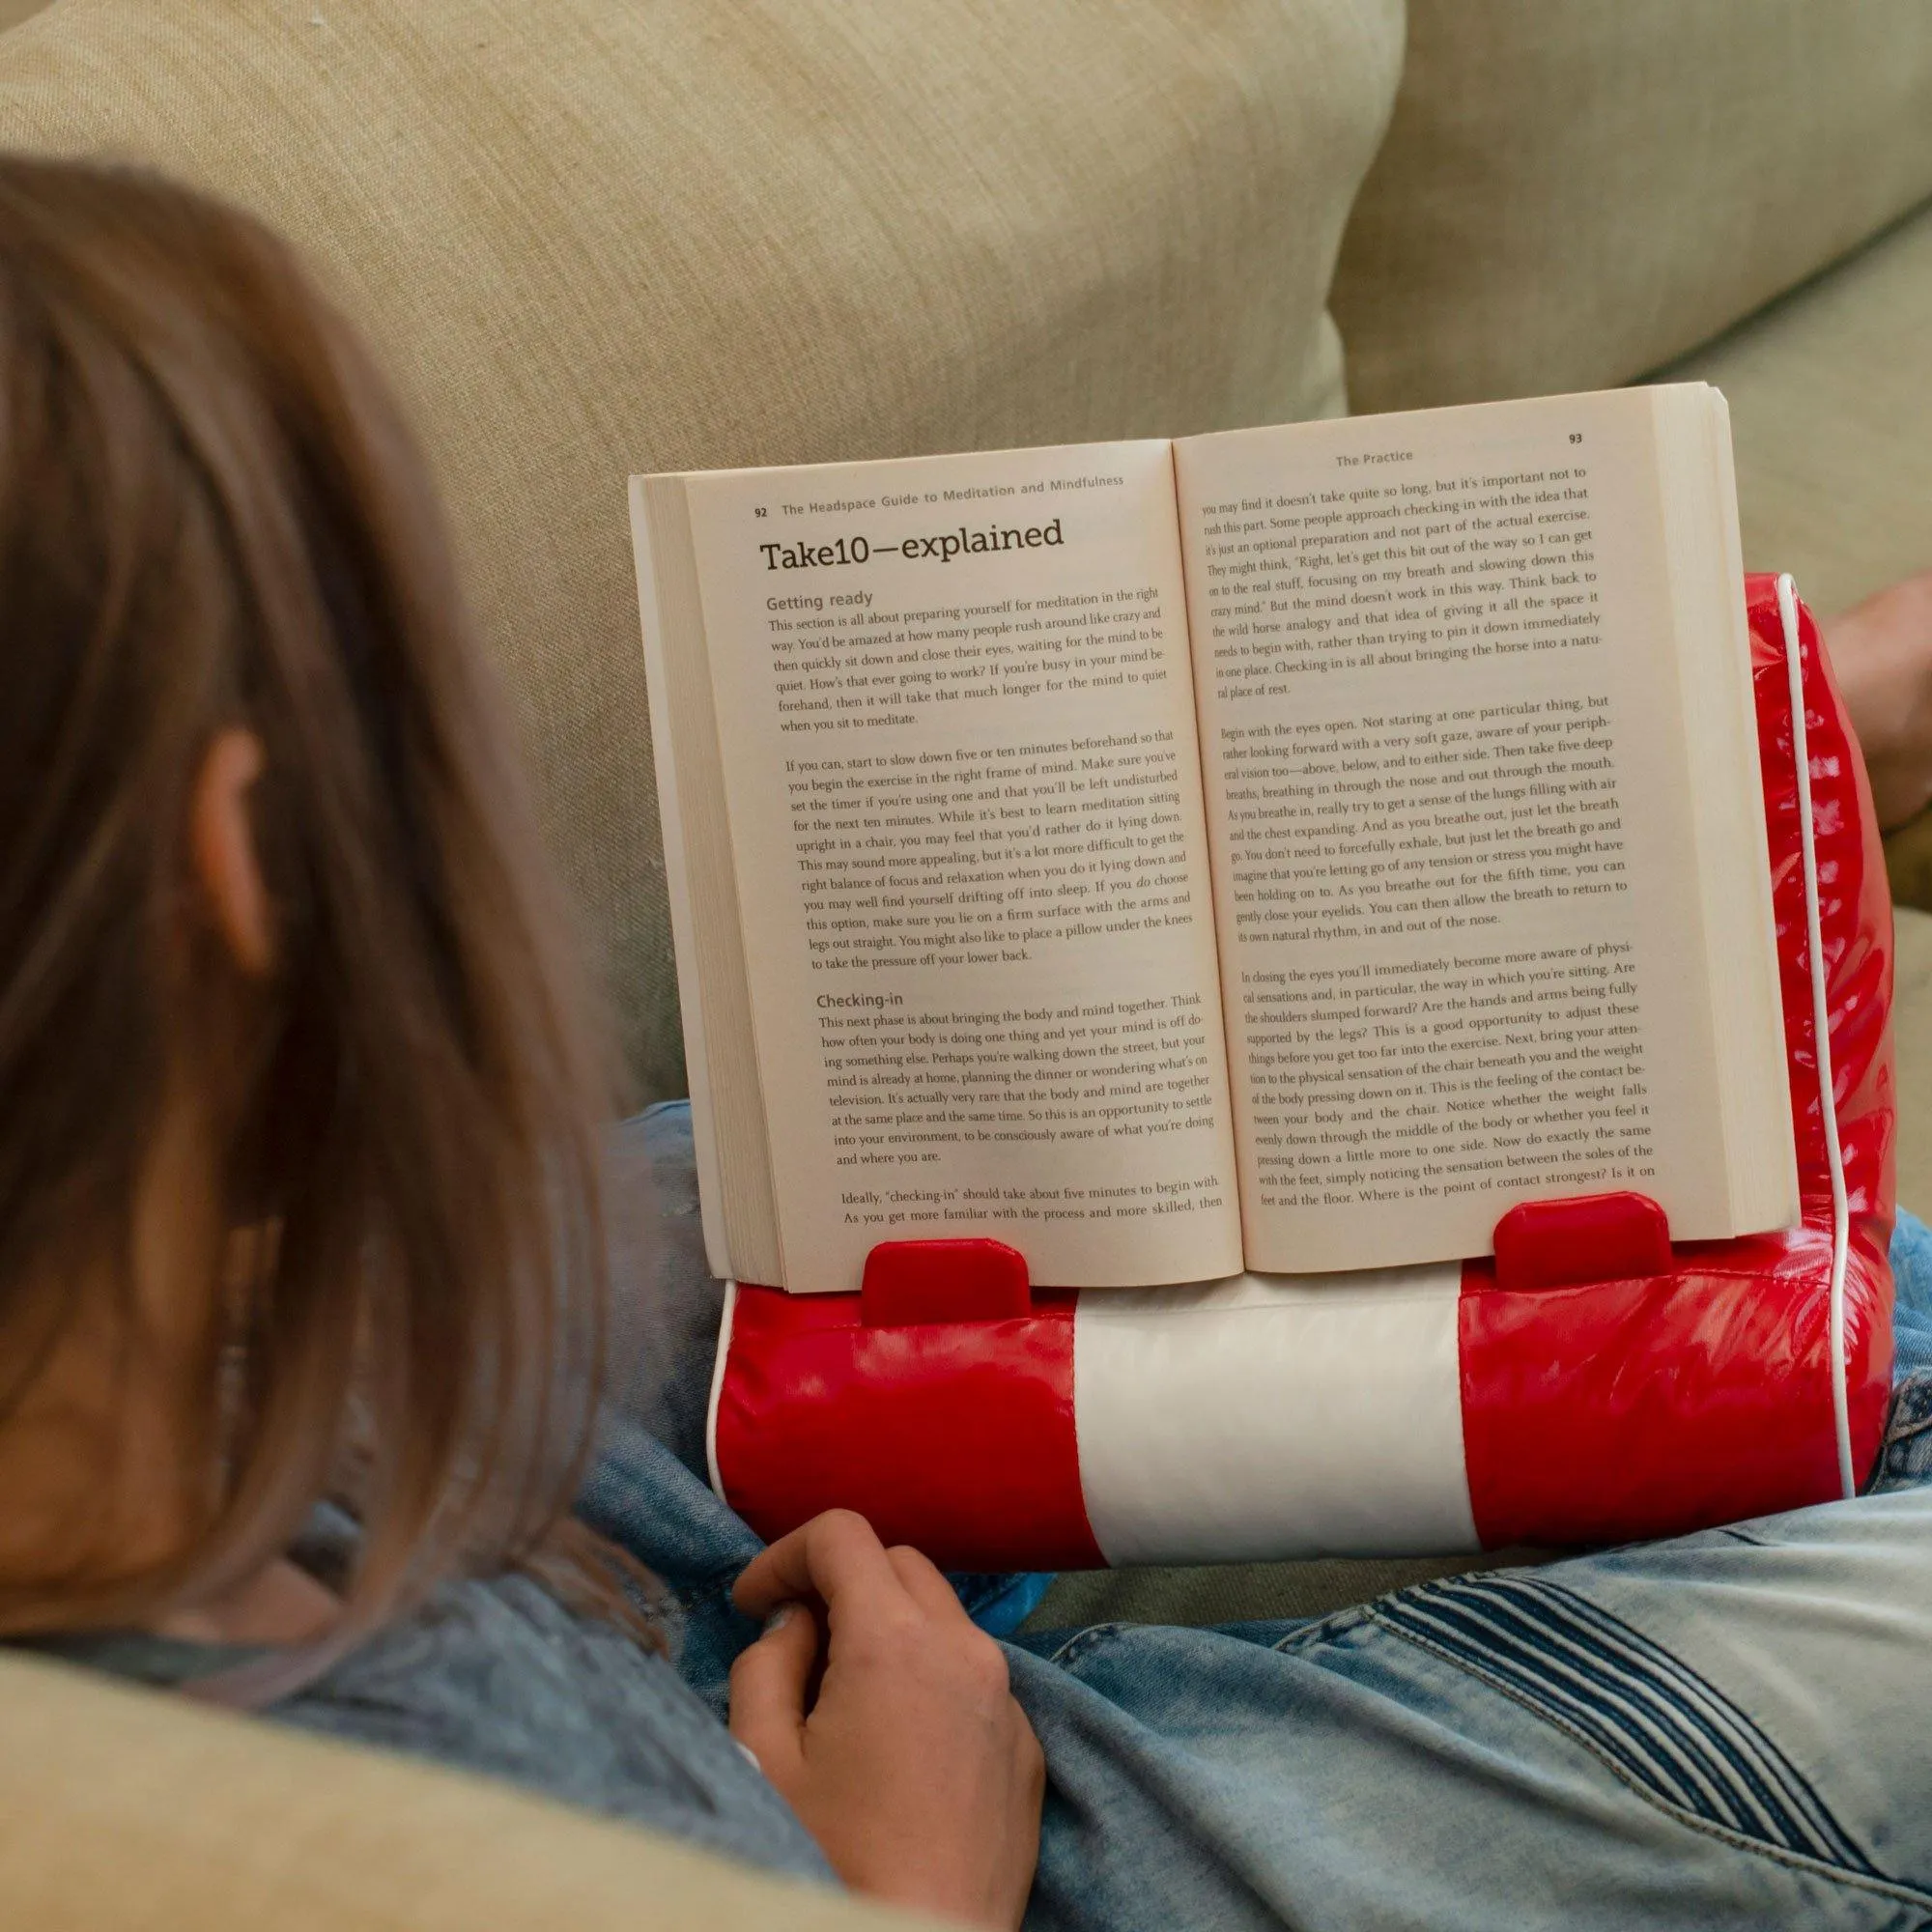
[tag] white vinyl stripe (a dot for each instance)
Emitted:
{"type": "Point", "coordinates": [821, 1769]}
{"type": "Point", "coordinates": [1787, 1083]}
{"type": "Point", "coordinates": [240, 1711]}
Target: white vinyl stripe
{"type": "Point", "coordinates": [1270, 1416]}
{"type": "Point", "coordinates": [718, 1390]}
{"type": "Point", "coordinates": [1821, 1030]}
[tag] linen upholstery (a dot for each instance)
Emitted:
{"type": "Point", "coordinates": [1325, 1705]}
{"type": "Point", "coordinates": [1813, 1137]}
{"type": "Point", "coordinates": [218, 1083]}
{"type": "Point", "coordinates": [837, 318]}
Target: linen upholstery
{"type": "Point", "coordinates": [139, 1811]}
{"type": "Point", "coordinates": [592, 237]}
{"type": "Point", "coordinates": [1831, 394]}
{"type": "Point", "coordinates": [1573, 192]}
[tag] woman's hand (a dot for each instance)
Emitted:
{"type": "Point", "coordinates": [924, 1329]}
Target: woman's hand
{"type": "Point", "coordinates": [911, 1765]}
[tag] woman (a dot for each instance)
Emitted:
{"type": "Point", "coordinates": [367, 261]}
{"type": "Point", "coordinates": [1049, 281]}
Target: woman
{"type": "Point", "coordinates": [301, 1259]}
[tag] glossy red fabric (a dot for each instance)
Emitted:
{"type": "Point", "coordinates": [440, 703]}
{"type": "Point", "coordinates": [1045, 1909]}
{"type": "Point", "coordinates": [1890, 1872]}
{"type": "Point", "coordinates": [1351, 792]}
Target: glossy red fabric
{"type": "Point", "coordinates": [1642, 1408]}
{"type": "Point", "coordinates": [956, 1436]}
{"type": "Point", "coordinates": [909, 1281]}
{"type": "Point", "coordinates": [1581, 1239]}
{"type": "Point", "coordinates": [1606, 1411]}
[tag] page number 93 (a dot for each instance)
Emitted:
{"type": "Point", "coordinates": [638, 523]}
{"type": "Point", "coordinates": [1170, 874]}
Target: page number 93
{"type": "Point", "coordinates": [1575, 436]}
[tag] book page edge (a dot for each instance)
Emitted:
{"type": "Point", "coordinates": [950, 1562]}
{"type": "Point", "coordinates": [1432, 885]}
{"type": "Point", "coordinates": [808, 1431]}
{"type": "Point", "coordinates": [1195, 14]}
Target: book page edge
{"type": "Point", "coordinates": [1760, 1153]}
{"type": "Point", "coordinates": [678, 890]}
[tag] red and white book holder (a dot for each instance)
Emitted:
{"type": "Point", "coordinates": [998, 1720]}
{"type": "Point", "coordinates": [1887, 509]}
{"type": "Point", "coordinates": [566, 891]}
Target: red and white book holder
{"type": "Point", "coordinates": [1589, 1383]}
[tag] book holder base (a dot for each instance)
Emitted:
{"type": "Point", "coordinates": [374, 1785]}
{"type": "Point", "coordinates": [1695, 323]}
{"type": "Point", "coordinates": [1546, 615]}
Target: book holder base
{"type": "Point", "coordinates": [1563, 1243]}
{"type": "Point", "coordinates": [1588, 1383]}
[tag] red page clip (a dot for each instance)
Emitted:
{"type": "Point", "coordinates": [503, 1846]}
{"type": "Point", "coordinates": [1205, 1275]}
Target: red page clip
{"type": "Point", "coordinates": [1586, 1238]}
{"type": "Point", "coordinates": [1567, 1243]}
{"type": "Point", "coordinates": [911, 1282]}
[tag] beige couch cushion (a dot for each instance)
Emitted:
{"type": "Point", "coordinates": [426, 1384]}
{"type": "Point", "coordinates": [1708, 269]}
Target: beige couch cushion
{"type": "Point", "coordinates": [135, 1811]}
{"type": "Point", "coordinates": [1831, 394]}
{"type": "Point", "coordinates": [594, 237]}
{"type": "Point", "coordinates": [1573, 191]}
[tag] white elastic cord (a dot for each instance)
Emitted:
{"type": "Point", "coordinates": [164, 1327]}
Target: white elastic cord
{"type": "Point", "coordinates": [1821, 1014]}
{"type": "Point", "coordinates": [718, 1391]}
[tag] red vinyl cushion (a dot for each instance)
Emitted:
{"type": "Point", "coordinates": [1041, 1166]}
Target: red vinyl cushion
{"type": "Point", "coordinates": [956, 1436]}
{"type": "Point", "coordinates": [1602, 1411]}
{"type": "Point", "coordinates": [1643, 1407]}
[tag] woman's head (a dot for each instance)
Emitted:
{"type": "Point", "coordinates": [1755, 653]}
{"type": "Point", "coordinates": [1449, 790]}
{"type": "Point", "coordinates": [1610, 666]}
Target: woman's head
{"type": "Point", "coordinates": [297, 1107]}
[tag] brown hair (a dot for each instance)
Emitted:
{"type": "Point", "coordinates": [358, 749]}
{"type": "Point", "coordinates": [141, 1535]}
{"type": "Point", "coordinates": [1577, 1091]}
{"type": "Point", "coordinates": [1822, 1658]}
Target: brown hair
{"type": "Point", "coordinates": [211, 516]}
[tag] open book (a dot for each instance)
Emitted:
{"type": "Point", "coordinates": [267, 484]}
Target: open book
{"type": "Point", "coordinates": [1284, 849]}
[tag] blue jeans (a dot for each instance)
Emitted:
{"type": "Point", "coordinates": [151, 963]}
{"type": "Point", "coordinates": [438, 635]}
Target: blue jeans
{"type": "Point", "coordinates": [1723, 1730]}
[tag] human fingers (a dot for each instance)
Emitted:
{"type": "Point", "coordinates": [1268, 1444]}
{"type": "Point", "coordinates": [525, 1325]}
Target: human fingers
{"type": "Point", "coordinates": [926, 1585]}
{"type": "Point", "coordinates": [834, 1558]}
{"type": "Point", "coordinates": [769, 1685]}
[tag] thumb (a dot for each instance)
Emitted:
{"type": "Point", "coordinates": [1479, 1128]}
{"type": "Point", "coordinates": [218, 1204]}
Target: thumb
{"type": "Point", "coordinates": [769, 1683]}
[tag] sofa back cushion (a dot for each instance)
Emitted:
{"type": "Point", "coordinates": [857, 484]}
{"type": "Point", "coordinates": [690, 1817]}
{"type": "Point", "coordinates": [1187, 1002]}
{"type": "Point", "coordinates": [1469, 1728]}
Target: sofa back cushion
{"type": "Point", "coordinates": [1573, 192]}
{"type": "Point", "coordinates": [592, 237]}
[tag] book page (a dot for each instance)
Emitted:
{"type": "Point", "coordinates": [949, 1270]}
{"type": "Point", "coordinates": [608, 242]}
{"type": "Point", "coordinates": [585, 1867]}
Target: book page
{"type": "Point", "coordinates": [956, 723]}
{"type": "Point", "coordinates": [1450, 800]}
